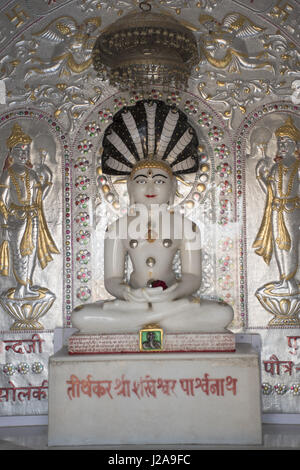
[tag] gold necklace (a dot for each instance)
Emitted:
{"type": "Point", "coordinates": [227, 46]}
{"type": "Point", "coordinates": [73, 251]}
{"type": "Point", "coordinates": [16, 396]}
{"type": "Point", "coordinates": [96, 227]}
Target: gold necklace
{"type": "Point", "coordinates": [291, 179]}
{"type": "Point", "coordinates": [25, 177]}
{"type": "Point", "coordinates": [285, 169]}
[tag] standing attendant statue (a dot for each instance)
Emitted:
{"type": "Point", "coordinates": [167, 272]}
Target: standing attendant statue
{"type": "Point", "coordinates": [151, 143]}
{"type": "Point", "coordinates": [279, 230]}
{"type": "Point", "coordinates": [25, 234]}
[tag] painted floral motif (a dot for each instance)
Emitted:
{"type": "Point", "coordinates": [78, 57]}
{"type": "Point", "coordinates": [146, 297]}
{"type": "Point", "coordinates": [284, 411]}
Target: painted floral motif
{"type": "Point", "coordinates": [205, 119]}
{"type": "Point", "coordinates": [82, 200]}
{"type": "Point", "coordinates": [83, 275]}
{"type": "Point", "coordinates": [9, 369]}
{"type": "Point", "coordinates": [224, 170]}
{"type": "Point", "coordinates": [222, 152]}
{"type": "Point", "coordinates": [225, 188]}
{"type": "Point", "coordinates": [37, 367]}
{"type": "Point", "coordinates": [225, 282]}
{"type": "Point", "coordinates": [105, 115]}
{"type": "Point", "coordinates": [83, 293]}
{"type": "Point", "coordinates": [82, 219]}
{"type": "Point", "coordinates": [85, 146]}
{"type": "Point", "coordinates": [191, 107]}
{"type": "Point", "coordinates": [83, 237]}
{"type": "Point", "coordinates": [23, 368]}
{"type": "Point", "coordinates": [81, 164]}
{"type": "Point", "coordinates": [82, 182]}
{"type": "Point", "coordinates": [93, 129]}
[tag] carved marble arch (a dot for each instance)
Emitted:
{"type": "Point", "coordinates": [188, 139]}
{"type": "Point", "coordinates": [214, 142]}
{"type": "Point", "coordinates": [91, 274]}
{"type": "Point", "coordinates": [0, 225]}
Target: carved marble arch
{"type": "Point", "coordinates": [244, 87]}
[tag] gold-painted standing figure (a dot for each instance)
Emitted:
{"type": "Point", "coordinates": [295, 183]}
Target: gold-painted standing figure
{"type": "Point", "coordinates": [279, 230]}
{"type": "Point", "coordinates": [25, 236]}
{"type": "Point", "coordinates": [24, 229]}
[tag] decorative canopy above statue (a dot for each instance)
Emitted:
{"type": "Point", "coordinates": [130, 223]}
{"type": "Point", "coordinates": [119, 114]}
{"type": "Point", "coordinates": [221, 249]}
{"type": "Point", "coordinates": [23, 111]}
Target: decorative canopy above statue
{"type": "Point", "coordinates": [145, 48]}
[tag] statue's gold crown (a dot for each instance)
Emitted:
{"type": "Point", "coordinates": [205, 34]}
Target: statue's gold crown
{"type": "Point", "coordinates": [151, 163]}
{"type": "Point", "coordinates": [288, 129]}
{"type": "Point", "coordinates": [17, 137]}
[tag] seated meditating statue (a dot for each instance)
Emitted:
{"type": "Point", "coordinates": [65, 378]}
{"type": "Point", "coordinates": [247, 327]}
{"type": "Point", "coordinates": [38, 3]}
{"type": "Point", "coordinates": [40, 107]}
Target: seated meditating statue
{"type": "Point", "coordinates": [151, 143]}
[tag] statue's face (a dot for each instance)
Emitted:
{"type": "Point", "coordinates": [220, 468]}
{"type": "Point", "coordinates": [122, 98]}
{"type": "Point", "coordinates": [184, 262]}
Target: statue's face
{"type": "Point", "coordinates": [151, 186]}
{"type": "Point", "coordinates": [286, 146]}
{"type": "Point", "coordinates": [20, 153]}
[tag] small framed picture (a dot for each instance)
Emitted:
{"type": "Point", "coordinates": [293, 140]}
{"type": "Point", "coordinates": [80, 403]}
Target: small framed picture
{"type": "Point", "coordinates": [151, 339]}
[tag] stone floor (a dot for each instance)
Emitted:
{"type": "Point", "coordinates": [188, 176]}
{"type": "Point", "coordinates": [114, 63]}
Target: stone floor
{"type": "Point", "coordinates": [275, 437]}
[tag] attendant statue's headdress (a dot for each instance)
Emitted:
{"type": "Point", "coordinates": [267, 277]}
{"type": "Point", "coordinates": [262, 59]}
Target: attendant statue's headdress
{"type": "Point", "coordinates": [17, 136]}
{"type": "Point", "coordinates": [288, 129]}
{"type": "Point", "coordinates": [150, 134]}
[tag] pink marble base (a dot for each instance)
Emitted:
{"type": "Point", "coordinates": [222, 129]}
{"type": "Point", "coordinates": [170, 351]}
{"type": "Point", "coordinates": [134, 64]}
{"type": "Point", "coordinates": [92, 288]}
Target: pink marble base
{"type": "Point", "coordinates": [129, 343]}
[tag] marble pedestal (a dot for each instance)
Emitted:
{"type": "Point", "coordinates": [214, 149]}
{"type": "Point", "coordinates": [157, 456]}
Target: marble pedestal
{"type": "Point", "coordinates": [171, 398]}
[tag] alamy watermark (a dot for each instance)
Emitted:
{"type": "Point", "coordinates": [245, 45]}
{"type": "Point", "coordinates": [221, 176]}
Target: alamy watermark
{"type": "Point", "coordinates": [152, 222]}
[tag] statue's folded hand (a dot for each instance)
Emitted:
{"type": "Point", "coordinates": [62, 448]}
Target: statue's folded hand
{"type": "Point", "coordinates": [150, 294]}
{"type": "Point", "coordinates": [134, 295]}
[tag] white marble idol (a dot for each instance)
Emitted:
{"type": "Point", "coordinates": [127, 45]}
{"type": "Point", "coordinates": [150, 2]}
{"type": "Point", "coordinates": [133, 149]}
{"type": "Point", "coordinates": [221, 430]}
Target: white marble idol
{"type": "Point", "coordinates": [151, 143]}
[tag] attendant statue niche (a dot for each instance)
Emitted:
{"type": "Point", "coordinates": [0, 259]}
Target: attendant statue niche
{"type": "Point", "coordinates": [151, 143]}
{"type": "Point", "coordinates": [279, 230]}
{"type": "Point", "coordinates": [25, 234]}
